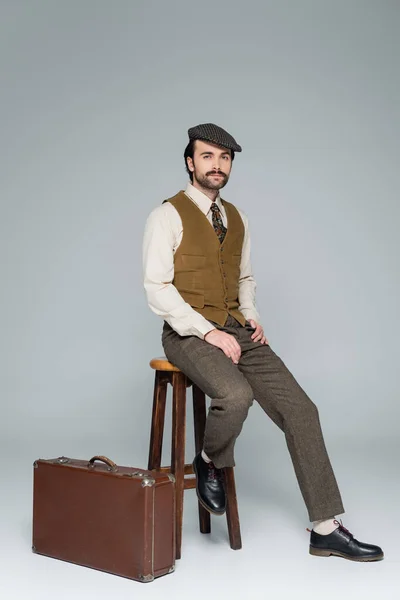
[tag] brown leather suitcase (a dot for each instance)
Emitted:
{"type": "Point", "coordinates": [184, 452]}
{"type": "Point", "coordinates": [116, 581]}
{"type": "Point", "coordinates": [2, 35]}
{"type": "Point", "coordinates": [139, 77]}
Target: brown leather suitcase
{"type": "Point", "coordinates": [103, 516]}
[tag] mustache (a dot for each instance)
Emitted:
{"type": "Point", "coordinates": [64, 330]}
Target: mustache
{"type": "Point", "coordinates": [216, 173]}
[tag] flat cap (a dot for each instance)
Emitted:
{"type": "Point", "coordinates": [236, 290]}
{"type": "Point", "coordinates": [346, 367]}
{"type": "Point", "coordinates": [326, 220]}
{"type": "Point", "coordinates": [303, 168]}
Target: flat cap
{"type": "Point", "coordinates": [208, 132]}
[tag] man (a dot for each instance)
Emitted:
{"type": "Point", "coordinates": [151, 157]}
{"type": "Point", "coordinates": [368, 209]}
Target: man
{"type": "Point", "coordinates": [198, 278]}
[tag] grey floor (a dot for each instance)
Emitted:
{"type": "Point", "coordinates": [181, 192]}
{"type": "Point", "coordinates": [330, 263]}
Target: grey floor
{"type": "Point", "coordinates": [274, 561]}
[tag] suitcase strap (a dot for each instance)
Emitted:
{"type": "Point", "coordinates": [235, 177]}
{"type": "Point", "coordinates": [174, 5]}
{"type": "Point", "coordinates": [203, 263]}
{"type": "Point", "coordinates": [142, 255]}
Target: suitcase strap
{"type": "Point", "coordinates": [112, 466]}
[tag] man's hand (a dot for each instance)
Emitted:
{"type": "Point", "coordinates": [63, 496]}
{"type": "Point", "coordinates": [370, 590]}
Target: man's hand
{"type": "Point", "coordinates": [258, 335]}
{"type": "Point", "coordinates": [226, 342]}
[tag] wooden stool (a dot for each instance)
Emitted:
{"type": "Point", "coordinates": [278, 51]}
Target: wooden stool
{"type": "Point", "coordinates": [166, 373]}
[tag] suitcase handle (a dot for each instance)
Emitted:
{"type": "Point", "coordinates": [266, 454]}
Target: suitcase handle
{"type": "Point", "coordinates": [111, 465]}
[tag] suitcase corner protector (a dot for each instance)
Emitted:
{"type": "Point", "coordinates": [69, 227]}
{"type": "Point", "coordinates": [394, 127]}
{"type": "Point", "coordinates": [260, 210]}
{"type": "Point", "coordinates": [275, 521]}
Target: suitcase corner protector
{"type": "Point", "coordinates": [146, 578]}
{"type": "Point", "coordinates": [148, 481]}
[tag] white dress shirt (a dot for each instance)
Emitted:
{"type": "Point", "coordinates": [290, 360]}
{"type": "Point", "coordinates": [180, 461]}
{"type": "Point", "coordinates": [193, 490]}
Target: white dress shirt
{"type": "Point", "coordinates": [162, 236]}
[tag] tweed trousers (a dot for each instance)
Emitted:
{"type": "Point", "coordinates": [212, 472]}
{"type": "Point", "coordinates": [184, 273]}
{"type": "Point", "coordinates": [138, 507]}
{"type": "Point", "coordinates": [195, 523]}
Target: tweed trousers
{"type": "Point", "coordinates": [260, 375]}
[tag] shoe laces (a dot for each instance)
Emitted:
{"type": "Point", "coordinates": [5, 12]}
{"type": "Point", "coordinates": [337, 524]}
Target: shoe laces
{"type": "Point", "coordinates": [213, 474]}
{"type": "Point", "coordinates": [342, 527]}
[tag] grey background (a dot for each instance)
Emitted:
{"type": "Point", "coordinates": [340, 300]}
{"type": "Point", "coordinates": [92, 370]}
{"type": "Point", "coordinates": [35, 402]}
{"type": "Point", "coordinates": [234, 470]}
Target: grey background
{"type": "Point", "coordinates": [96, 100]}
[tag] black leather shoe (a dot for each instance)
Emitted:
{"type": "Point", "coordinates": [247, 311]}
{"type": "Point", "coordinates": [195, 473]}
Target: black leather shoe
{"type": "Point", "coordinates": [209, 486]}
{"type": "Point", "coordinates": [342, 543]}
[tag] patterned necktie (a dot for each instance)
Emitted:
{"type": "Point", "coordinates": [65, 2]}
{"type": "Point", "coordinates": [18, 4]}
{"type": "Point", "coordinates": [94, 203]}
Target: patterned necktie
{"type": "Point", "coordinates": [219, 227]}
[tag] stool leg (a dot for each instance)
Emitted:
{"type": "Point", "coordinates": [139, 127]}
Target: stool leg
{"type": "Point", "coordinates": [232, 513]}
{"type": "Point", "coordinates": [157, 421]}
{"type": "Point", "coordinates": [199, 415]}
{"type": "Point", "coordinates": [178, 450]}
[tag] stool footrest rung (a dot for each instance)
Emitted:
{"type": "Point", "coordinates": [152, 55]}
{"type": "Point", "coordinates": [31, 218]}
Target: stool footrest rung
{"type": "Point", "coordinates": [188, 470]}
{"type": "Point", "coordinates": [189, 483]}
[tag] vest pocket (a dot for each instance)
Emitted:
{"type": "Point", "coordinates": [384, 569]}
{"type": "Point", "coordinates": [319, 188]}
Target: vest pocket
{"type": "Point", "coordinates": [193, 299]}
{"type": "Point", "coordinates": [190, 277]}
{"type": "Point", "coordinates": [193, 261]}
{"type": "Point", "coordinates": [236, 262]}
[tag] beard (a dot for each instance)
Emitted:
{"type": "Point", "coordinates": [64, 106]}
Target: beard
{"type": "Point", "coordinates": [208, 182]}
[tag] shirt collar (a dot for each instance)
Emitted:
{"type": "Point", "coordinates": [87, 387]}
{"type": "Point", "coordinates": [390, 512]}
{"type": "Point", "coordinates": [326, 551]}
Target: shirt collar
{"type": "Point", "coordinates": [202, 201]}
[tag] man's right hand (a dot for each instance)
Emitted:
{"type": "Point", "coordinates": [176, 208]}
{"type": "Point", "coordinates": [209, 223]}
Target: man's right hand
{"type": "Point", "coordinates": [226, 342]}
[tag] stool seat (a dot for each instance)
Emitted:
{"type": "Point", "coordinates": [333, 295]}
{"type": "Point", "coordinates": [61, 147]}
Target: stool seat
{"type": "Point", "coordinates": [161, 363]}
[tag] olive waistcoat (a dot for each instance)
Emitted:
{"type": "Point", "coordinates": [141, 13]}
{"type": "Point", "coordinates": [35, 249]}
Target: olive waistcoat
{"type": "Point", "coordinates": [206, 272]}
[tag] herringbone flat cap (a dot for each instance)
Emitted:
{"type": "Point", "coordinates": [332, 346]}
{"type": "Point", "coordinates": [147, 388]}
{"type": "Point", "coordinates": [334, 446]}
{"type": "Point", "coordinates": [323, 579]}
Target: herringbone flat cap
{"type": "Point", "coordinates": [208, 132]}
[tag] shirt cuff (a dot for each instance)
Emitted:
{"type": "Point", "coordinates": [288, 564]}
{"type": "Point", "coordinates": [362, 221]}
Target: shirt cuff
{"type": "Point", "coordinates": [204, 330]}
{"type": "Point", "coordinates": [248, 314]}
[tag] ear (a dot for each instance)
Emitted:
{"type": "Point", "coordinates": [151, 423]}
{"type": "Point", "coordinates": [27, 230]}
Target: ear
{"type": "Point", "coordinates": [190, 164]}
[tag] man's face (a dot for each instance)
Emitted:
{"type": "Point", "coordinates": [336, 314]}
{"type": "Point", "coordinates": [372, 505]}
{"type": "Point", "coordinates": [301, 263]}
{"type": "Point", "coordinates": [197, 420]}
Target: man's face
{"type": "Point", "coordinates": [211, 165]}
